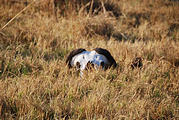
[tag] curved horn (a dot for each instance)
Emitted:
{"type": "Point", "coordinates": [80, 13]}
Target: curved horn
{"type": "Point", "coordinates": [72, 54]}
{"type": "Point", "coordinates": [108, 55]}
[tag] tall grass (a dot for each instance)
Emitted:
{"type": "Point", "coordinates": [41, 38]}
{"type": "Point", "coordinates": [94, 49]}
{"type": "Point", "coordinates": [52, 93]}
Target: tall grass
{"type": "Point", "coordinates": [36, 83]}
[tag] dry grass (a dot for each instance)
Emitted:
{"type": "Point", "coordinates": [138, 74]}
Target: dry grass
{"type": "Point", "coordinates": [36, 83]}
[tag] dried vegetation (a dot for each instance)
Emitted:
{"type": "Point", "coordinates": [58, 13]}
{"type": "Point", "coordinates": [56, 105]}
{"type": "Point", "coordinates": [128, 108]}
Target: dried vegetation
{"type": "Point", "coordinates": [36, 83]}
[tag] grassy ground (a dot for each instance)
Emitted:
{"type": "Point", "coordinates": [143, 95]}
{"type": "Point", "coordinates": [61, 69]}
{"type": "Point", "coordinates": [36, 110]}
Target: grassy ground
{"type": "Point", "coordinates": [35, 82]}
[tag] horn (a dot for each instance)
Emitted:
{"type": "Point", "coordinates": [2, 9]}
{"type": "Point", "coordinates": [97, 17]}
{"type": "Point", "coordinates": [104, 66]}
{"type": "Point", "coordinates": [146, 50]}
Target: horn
{"type": "Point", "coordinates": [72, 54]}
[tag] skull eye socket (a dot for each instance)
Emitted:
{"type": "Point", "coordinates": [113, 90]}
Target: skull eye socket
{"type": "Point", "coordinates": [102, 64]}
{"type": "Point", "coordinates": [78, 65]}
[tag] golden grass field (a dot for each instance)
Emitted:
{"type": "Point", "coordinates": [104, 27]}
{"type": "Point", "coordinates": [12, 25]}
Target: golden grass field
{"type": "Point", "coordinates": [36, 84]}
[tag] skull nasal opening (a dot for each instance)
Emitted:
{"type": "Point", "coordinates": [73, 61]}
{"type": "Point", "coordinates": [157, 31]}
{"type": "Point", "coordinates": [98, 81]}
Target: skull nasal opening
{"type": "Point", "coordinates": [89, 65]}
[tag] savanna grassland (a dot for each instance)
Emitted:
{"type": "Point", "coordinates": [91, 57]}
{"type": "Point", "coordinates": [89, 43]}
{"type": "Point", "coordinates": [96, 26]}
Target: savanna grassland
{"type": "Point", "coordinates": [35, 82]}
